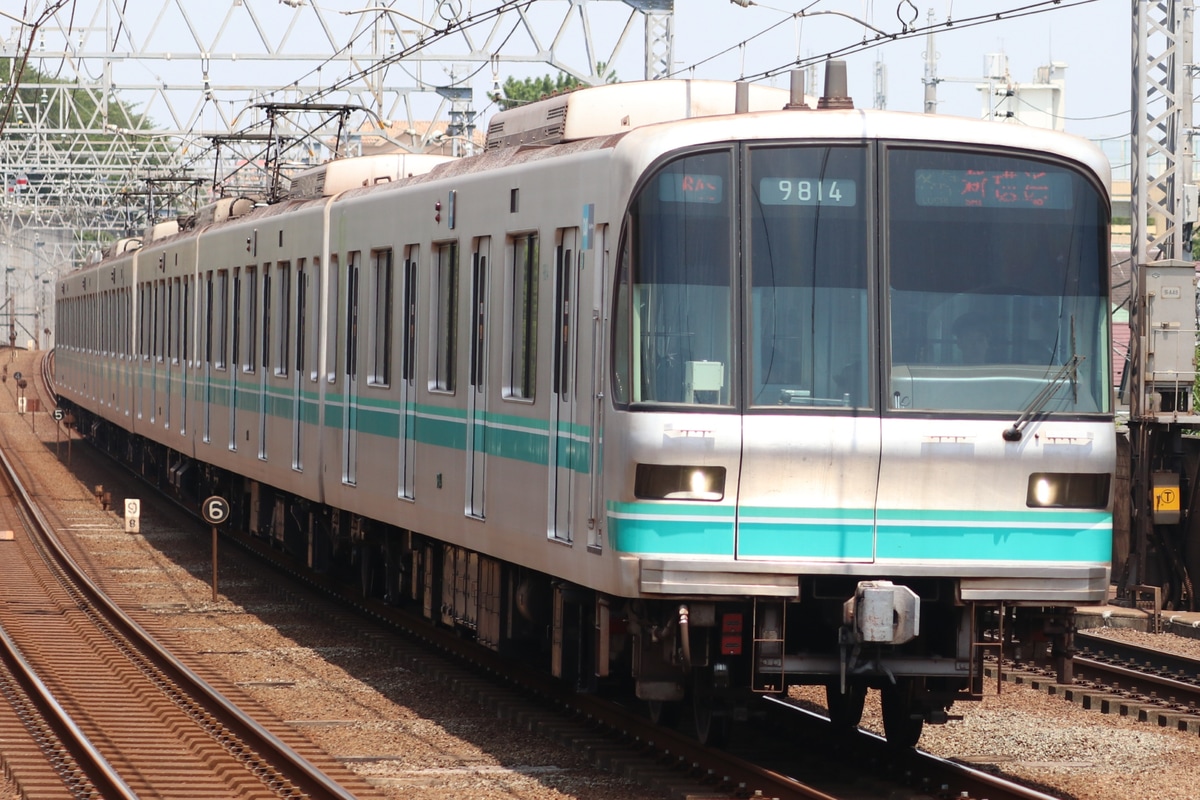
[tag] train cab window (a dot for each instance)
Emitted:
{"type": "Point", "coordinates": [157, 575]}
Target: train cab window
{"type": "Point", "coordinates": [521, 313]}
{"type": "Point", "coordinates": [808, 257]}
{"type": "Point", "coordinates": [675, 304]}
{"type": "Point", "coordinates": [998, 270]}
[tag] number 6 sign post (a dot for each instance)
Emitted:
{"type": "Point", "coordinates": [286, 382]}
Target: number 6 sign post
{"type": "Point", "coordinates": [215, 511]}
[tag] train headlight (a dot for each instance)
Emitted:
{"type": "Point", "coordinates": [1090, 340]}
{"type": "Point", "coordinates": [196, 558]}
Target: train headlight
{"type": "Point", "coordinates": [678, 482]}
{"type": "Point", "coordinates": [1068, 490]}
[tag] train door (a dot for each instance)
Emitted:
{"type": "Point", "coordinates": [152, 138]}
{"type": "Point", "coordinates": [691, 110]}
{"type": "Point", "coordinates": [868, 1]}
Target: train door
{"type": "Point", "coordinates": [350, 417]}
{"type": "Point", "coordinates": [562, 448]}
{"type": "Point", "coordinates": [235, 358]}
{"type": "Point", "coordinates": [145, 296]}
{"type": "Point", "coordinates": [185, 355]}
{"type": "Point", "coordinates": [597, 246]}
{"type": "Point", "coordinates": [207, 359]}
{"type": "Point", "coordinates": [264, 361]}
{"type": "Point", "coordinates": [476, 391]}
{"type": "Point", "coordinates": [300, 343]}
{"type": "Point", "coordinates": [160, 293]}
{"type": "Point", "coordinates": [406, 443]}
{"type": "Point", "coordinates": [170, 349]}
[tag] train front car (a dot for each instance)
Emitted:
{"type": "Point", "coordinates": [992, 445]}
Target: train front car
{"type": "Point", "coordinates": [862, 393]}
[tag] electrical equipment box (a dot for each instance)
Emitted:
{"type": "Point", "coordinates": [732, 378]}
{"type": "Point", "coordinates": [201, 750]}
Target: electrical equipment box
{"type": "Point", "coordinates": [1165, 498]}
{"type": "Point", "coordinates": [1170, 334]}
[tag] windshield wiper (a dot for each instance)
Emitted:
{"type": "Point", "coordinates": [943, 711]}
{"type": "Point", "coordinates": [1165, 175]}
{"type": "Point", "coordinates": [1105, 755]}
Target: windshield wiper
{"type": "Point", "coordinates": [1013, 434]}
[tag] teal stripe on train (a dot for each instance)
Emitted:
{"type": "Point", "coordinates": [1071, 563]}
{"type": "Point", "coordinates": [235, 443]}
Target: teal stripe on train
{"type": "Point", "coordinates": [671, 528]}
{"type": "Point", "coordinates": [500, 435]}
{"type": "Point", "coordinates": [1048, 536]}
{"type": "Point", "coordinates": [843, 534]}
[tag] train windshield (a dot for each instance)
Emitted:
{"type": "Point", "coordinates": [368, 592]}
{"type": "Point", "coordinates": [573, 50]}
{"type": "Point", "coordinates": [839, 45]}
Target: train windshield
{"type": "Point", "coordinates": [681, 328]}
{"type": "Point", "coordinates": [809, 232]}
{"type": "Point", "coordinates": [997, 278]}
{"type": "Point", "coordinates": [980, 279]}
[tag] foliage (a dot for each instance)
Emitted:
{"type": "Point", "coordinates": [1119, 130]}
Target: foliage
{"type": "Point", "coordinates": [517, 93]}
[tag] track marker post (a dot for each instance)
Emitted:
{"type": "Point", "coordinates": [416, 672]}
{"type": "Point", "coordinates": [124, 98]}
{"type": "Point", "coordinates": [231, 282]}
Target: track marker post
{"type": "Point", "coordinates": [215, 511]}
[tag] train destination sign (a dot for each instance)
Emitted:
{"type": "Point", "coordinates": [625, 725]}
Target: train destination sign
{"type": "Point", "coordinates": [681, 187]}
{"type": "Point", "coordinates": [992, 188]}
{"type": "Point", "coordinates": [807, 192]}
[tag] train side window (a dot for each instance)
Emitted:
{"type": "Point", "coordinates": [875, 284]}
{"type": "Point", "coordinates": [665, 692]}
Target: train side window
{"type": "Point", "coordinates": [352, 306]}
{"type": "Point", "coordinates": [381, 323]}
{"type": "Point", "coordinates": [174, 295]}
{"type": "Point", "coordinates": [445, 317]}
{"type": "Point", "coordinates": [331, 349]}
{"type": "Point", "coordinates": [236, 355]}
{"type": "Point", "coordinates": [408, 366]}
{"type": "Point", "coordinates": [160, 292]}
{"type": "Point", "coordinates": [267, 308]}
{"type": "Point", "coordinates": [126, 321]}
{"type": "Point", "coordinates": [304, 330]}
{"type": "Point", "coordinates": [145, 300]}
{"type": "Point", "coordinates": [520, 313]}
{"type": "Point", "coordinates": [208, 317]}
{"type": "Point", "coordinates": [221, 319]}
{"type": "Point", "coordinates": [186, 327]}
{"type": "Point", "coordinates": [301, 316]}
{"type": "Point", "coordinates": [250, 286]}
{"type": "Point", "coordinates": [284, 314]}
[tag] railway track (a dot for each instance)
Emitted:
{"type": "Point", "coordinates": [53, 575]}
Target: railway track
{"type": "Point", "coordinates": [784, 754]}
{"type": "Point", "coordinates": [97, 708]}
{"type": "Point", "coordinates": [1148, 674]}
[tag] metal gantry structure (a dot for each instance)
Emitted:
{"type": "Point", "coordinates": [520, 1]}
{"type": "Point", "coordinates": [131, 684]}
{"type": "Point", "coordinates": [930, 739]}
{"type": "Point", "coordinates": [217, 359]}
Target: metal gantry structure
{"type": "Point", "coordinates": [119, 102]}
{"type": "Point", "coordinates": [1163, 330]}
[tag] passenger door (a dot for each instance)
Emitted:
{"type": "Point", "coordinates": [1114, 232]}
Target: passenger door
{"type": "Point", "coordinates": [477, 381]}
{"type": "Point", "coordinates": [562, 446]}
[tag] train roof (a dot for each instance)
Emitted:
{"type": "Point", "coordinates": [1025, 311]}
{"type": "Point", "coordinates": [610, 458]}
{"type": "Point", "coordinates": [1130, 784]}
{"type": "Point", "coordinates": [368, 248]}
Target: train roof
{"type": "Point", "coordinates": [620, 107]}
{"type": "Point", "coordinates": [639, 112]}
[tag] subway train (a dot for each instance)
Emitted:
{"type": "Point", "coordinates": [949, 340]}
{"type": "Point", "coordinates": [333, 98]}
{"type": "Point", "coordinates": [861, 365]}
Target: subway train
{"type": "Point", "coordinates": [689, 390]}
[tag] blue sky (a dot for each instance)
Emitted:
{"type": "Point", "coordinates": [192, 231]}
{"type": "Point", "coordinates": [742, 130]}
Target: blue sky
{"type": "Point", "coordinates": [1093, 39]}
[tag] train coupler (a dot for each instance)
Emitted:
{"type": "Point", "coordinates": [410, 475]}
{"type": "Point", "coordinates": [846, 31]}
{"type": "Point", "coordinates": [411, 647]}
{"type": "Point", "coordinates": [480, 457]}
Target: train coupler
{"type": "Point", "coordinates": [881, 613]}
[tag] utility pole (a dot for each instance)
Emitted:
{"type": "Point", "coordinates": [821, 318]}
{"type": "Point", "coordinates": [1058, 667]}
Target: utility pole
{"type": "Point", "coordinates": [1161, 367]}
{"type": "Point", "coordinates": [931, 78]}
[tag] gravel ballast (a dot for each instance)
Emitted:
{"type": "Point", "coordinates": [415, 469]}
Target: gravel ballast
{"type": "Point", "coordinates": [413, 738]}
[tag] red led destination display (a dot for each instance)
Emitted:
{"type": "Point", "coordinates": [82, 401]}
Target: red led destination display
{"type": "Point", "coordinates": [987, 188]}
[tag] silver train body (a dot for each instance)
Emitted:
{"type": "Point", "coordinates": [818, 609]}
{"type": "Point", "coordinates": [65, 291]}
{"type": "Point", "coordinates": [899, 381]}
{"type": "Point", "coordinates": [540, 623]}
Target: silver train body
{"type": "Point", "coordinates": [653, 392]}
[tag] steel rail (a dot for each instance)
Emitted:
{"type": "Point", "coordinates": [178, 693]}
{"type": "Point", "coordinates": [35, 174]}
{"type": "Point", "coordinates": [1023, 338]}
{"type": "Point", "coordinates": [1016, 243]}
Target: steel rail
{"type": "Point", "coordinates": [309, 778]}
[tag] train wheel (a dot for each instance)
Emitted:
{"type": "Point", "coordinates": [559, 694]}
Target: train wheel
{"type": "Point", "coordinates": [710, 713]}
{"type": "Point", "coordinates": [845, 709]}
{"type": "Point", "coordinates": [903, 719]}
{"type": "Point", "coordinates": [665, 712]}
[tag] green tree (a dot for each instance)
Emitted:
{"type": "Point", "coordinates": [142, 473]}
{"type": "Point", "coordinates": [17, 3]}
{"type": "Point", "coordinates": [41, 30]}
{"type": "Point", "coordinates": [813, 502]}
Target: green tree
{"type": "Point", "coordinates": [517, 93]}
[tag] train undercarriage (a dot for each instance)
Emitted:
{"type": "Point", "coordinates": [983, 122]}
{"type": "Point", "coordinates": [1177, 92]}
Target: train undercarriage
{"type": "Point", "coordinates": [700, 661]}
